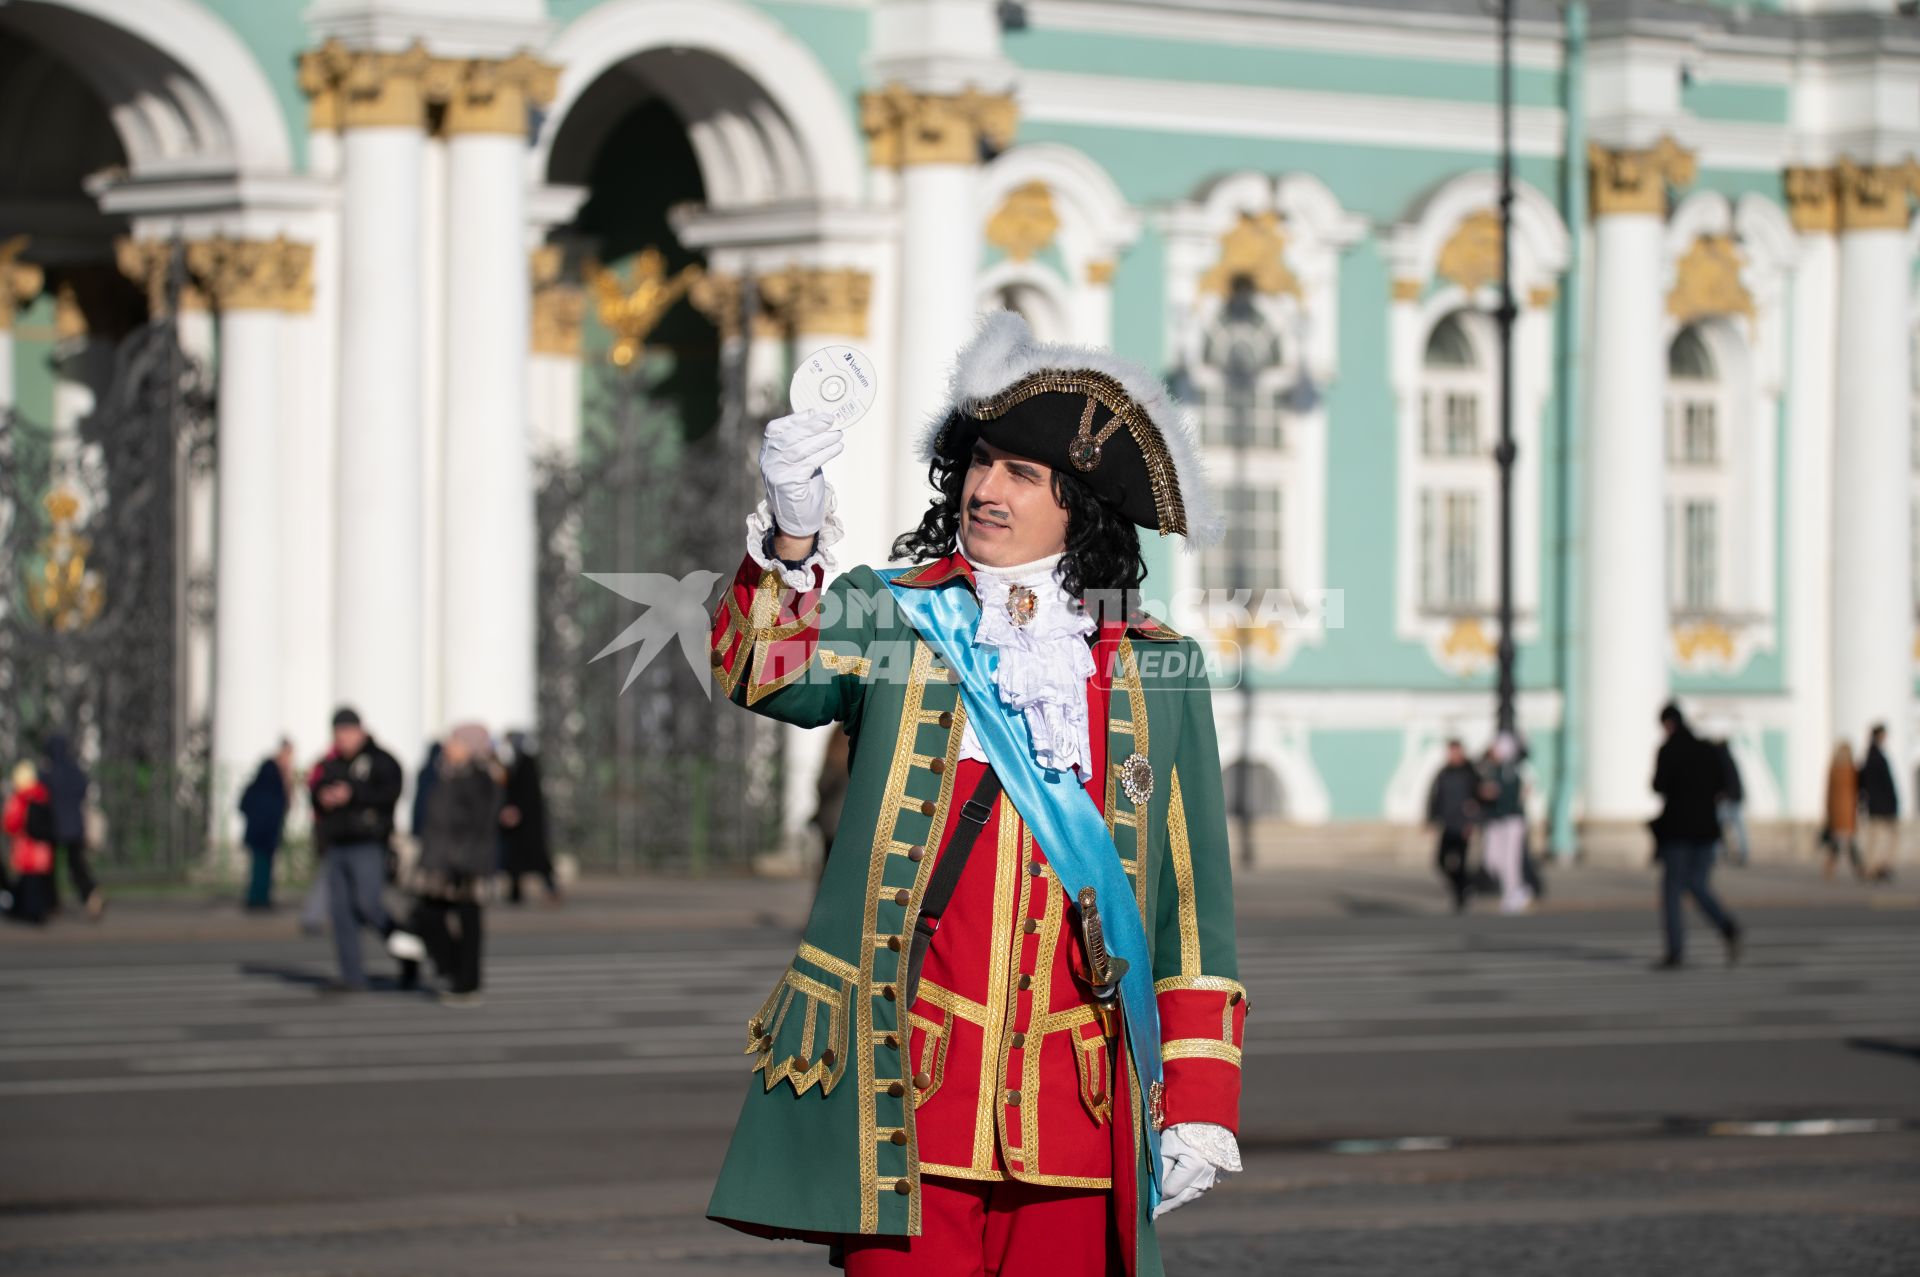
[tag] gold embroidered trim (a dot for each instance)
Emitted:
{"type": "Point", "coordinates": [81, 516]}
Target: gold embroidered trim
{"type": "Point", "coordinates": [827, 962]}
{"type": "Point", "coordinates": [1168, 506]}
{"type": "Point", "coordinates": [1184, 902]}
{"type": "Point", "coordinates": [933, 1057]}
{"type": "Point", "coordinates": [1008, 885]}
{"type": "Point", "coordinates": [954, 1004]}
{"type": "Point", "coordinates": [960, 1172]}
{"type": "Point", "coordinates": [1199, 1049]}
{"type": "Point", "coordinates": [833, 662]}
{"type": "Point", "coordinates": [763, 1032]}
{"type": "Point", "coordinates": [1205, 983]}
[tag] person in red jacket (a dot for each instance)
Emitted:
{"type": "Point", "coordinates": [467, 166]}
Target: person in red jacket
{"type": "Point", "coordinates": [28, 822]}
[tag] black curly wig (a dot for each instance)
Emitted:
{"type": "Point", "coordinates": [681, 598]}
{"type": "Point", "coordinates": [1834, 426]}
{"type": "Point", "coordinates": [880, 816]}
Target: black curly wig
{"type": "Point", "coordinates": [1102, 563]}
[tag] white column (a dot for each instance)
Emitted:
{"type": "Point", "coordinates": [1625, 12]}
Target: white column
{"type": "Point", "coordinates": [1625, 502]}
{"type": "Point", "coordinates": [196, 547]}
{"type": "Point", "coordinates": [832, 310]}
{"type": "Point", "coordinates": [433, 430]}
{"type": "Point", "coordinates": [19, 284]}
{"type": "Point", "coordinates": [939, 266]}
{"type": "Point", "coordinates": [378, 578]}
{"type": "Point", "coordinates": [1872, 613]}
{"type": "Point", "coordinates": [247, 561]}
{"type": "Point", "coordinates": [308, 454]}
{"type": "Point", "coordinates": [1808, 607]}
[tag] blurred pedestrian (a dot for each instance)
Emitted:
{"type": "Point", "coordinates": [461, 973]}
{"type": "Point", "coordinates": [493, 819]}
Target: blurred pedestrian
{"type": "Point", "coordinates": [523, 821]}
{"type": "Point", "coordinates": [1731, 808]}
{"type": "Point", "coordinates": [422, 786]}
{"type": "Point", "coordinates": [458, 844]}
{"type": "Point", "coordinates": [263, 806]}
{"type": "Point", "coordinates": [1687, 835]}
{"type": "Point", "coordinates": [28, 821]}
{"type": "Point", "coordinates": [1503, 795]}
{"type": "Point", "coordinates": [1842, 831]}
{"type": "Point", "coordinates": [67, 784]}
{"type": "Point", "coordinates": [314, 911]}
{"type": "Point", "coordinates": [355, 789]}
{"type": "Point", "coordinates": [1881, 843]}
{"type": "Point", "coordinates": [1453, 805]}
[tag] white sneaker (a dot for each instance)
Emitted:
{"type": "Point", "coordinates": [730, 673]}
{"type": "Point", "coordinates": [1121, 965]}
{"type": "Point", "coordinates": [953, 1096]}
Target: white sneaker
{"type": "Point", "coordinates": [406, 946]}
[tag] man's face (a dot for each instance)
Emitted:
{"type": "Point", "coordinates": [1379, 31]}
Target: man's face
{"type": "Point", "coordinates": [1008, 514]}
{"type": "Point", "coordinates": [348, 739]}
{"type": "Point", "coordinates": [1456, 755]}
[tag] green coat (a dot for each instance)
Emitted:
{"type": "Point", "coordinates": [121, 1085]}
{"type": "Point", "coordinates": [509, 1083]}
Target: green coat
{"type": "Point", "coordinates": [821, 1147]}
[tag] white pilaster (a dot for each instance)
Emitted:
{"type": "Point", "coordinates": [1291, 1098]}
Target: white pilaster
{"type": "Point", "coordinates": [434, 234]}
{"type": "Point", "coordinates": [378, 576]}
{"type": "Point", "coordinates": [1872, 614]}
{"type": "Point", "coordinates": [487, 529]}
{"type": "Point", "coordinates": [1626, 585]}
{"type": "Point", "coordinates": [939, 263]}
{"type": "Point", "coordinates": [1807, 614]}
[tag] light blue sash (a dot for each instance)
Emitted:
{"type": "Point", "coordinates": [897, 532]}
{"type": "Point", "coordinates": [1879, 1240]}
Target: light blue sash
{"type": "Point", "coordinates": [1064, 820]}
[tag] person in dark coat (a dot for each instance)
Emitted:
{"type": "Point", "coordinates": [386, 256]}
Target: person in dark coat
{"type": "Point", "coordinates": [422, 786]}
{"type": "Point", "coordinates": [355, 789]}
{"type": "Point", "coordinates": [1686, 833]}
{"type": "Point", "coordinates": [523, 822]}
{"type": "Point", "coordinates": [1453, 806]}
{"type": "Point", "coordinates": [1732, 805]}
{"type": "Point", "coordinates": [264, 808]}
{"type": "Point", "coordinates": [1881, 843]}
{"type": "Point", "coordinates": [458, 845]}
{"type": "Point", "coordinates": [67, 783]}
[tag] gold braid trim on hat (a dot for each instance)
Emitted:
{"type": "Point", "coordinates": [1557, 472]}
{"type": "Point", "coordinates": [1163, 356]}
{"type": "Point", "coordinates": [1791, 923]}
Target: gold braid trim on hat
{"type": "Point", "coordinates": [1167, 504]}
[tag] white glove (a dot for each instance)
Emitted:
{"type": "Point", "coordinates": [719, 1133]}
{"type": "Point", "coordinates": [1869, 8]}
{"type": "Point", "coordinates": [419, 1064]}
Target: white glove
{"type": "Point", "coordinates": [1189, 1167]}
{"type": "Point", "coordinates": [795, 448]}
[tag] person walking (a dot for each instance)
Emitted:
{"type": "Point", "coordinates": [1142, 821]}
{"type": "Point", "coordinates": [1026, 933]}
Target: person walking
{"type": "Point", "coordinates": [1503, 794]}
{"type": "Point", "coordinates": [1731, 807]}
{"type": "Point", "coordinates": [1881, 843]}
{"type": "Point", "coordinates": [1842, 831]}
{"type": "Point", "coordinates": [523, 821]}
{"type": "Point", "coordinates": [1453, 805]}
{"type": "Point", "coordinates": [1687, 834]}
{"type": "Point", "coordinates": [67, 785]}
{"type": "Point", "coordinates": [28, 820]}
{"type": "Point", "coordinates": [458, 844]}
{"type": "Point", "coordinates": [263, 806]}
{"type": "Point", "coordinates": [355, 789]}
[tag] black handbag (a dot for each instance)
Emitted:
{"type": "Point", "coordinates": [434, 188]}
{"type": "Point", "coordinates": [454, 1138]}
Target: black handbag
{"type": "Point", "coordinates": [40, 822]}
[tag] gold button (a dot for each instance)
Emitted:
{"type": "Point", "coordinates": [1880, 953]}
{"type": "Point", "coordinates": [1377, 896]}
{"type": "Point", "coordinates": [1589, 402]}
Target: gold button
{"type": "Point", "coordinates": [917, 852]}
{"type": "Point", "coordinates": [827, 1057]}
{"type": "Point", "coordinates": [922, 1081]}
{"type": "Point", "coordinates": [799, 1063]}
{"type": "Point", "coordinates": [898, 1138]}
{"type": "Point", "coordinates": [896, 1090]}
{"type": "Point", "coordinates": [1031, 925]}
{"type": "Point", "coordinates": [901, 1186]}
{"type": "Point", "coordinates": [886, 991]}
{"type": "Point", "coordinates": [1019, 1041]}
{"type": "Point", "coordinates": [901, 896]}
{"type": "Point", "coordinates": [945, 719]}
{"type": "Point", "coordinates": [936, 766]}
{"type": "Point", "coordinates": [1026, 981]}
{"type": "Point", "coordinates": [1013, 1099]}
{"type": "Point", "coordinates": [718, 656]}
{"type": "Point", "coordinates": [1039, 870]}
{"type": "Point", "coordinates": [891, 1042]}
{"type": "Point", "coordinates": [893, 943]}
{"type": "Point", "coordinates": [1234, 1001]}
{"type": "Point", "coordinates": [926, 806]}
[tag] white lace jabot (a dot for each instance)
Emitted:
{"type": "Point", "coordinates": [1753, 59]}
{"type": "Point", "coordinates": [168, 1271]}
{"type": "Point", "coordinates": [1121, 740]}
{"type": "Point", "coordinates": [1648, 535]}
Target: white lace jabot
{"type": "Point", "coordinates": [1044, 664]}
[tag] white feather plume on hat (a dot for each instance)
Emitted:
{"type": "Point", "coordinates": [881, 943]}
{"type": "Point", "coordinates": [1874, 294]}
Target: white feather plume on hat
{"type": "Point", "coordinates": [1004, 353]}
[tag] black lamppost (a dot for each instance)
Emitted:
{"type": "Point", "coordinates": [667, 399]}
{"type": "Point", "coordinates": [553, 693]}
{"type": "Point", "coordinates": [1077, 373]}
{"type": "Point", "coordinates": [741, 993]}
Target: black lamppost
{"type": "Point", "coordinates": [1505, 451]}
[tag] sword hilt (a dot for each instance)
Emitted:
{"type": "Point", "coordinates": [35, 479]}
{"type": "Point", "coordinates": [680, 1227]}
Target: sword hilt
{"type": "Point", "coordinates": [1105, 968]}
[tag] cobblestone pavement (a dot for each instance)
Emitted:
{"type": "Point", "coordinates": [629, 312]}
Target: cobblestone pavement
{"type": "Point", "coordinates": [176, 1098]}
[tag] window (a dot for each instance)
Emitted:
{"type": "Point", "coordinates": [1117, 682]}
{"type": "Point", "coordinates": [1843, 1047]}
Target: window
{"type": "Point", "coordinates": [1254, 528]}
{"type": "Point", "coordinates": [1243, 383]}
{"type": "Point", "coordinates": [1456, 492]}
{"type": "Point", "coordinates": [1699, 486]}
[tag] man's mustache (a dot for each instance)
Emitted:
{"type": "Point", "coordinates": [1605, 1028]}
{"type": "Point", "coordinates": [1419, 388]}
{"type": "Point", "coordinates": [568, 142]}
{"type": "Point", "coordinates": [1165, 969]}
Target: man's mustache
{"type": "Point", "coordinates": [977, 511]}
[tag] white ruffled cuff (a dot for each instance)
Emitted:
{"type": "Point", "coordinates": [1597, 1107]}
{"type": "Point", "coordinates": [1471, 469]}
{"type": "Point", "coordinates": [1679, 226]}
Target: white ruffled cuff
{"type": "Point", "coordinates": [1215, 1143]}
{"type": "Point", "coordinates": [760, 528]}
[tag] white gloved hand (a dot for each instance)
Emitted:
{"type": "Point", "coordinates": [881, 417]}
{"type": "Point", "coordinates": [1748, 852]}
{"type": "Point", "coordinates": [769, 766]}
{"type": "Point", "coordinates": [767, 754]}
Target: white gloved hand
{"type": "Point", "coordinates": [795, 448]}
{"type": "Point", "coordinates": [1185, 1171]}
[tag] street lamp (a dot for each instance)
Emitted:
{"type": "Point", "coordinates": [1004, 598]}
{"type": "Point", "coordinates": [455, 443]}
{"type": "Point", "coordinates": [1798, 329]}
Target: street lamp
{"type": "Point", "coordinates": [1505, 452]}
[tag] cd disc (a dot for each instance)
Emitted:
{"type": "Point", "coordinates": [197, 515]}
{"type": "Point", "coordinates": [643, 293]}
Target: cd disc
{"type": "Point", "coordinates": [837, 380]}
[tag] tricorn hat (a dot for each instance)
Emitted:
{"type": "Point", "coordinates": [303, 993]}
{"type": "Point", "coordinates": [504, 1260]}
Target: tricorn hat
{"type": "Point", "coordinates": [1100, 418]}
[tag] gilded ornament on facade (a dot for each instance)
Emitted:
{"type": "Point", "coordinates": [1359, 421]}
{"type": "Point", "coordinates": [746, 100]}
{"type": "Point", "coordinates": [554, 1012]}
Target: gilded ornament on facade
{"type": "Point", "coordinates": [490, 95]}
{"type": "Point", "coordinates": [20, 282]}
{"type": "Point", "coordinates": [253, 274]}
{"type": "Point", "coordinates": [1876, 197]}
{"type": "Point", "coordinates": [1636, 181]}
{"type": "Point", "coordinates": [148, 262]}
{"type": "Point", "coordinates": [559, 306]}
{"type": "Point", "coordinates": [1542, 296]}
{"type": "Point", "coordinates": [1136, 779]}
{"type": "Point", "coordinates": [1707, 282]}
{"type": "Point", "coordinates": [62, 592]}
{"type": "Point", "coordinates": [824, 301]}
{"type": "Point", "coordinates": [1471, 258]}
{"type": "Point", "coordinates": [1699, 643]}
{"type": "Point", "coordinates": [1467, 647]}
{"type": "Point", "coordinates": [1100, 271]}
{"type": "Point", "coordinates": [365, 88]}
{"type": "Point", "coordinates": [1025, 222]}
{"type": "Point", "coordinates": [1408, 290]}
{"type": "Point", "coordinates": [631, 307]}
{"type": "Point", "coordinates": [1254, 249]}
{"type": "Point", "coordinates": [1813, 199]}
{"type": "Point", "coordinates": [904, 127]}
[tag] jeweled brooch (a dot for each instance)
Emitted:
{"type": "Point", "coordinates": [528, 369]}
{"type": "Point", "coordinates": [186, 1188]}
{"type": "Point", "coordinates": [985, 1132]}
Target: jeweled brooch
{"type": "Point", "coordinates": [1022, 603]}
{"type": "Point", "coordinates": [1136, 778]}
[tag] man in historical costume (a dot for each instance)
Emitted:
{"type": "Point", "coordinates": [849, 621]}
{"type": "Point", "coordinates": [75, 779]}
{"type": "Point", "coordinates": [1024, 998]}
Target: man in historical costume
{"type": "Point", "coordinates": [1012, 1033]}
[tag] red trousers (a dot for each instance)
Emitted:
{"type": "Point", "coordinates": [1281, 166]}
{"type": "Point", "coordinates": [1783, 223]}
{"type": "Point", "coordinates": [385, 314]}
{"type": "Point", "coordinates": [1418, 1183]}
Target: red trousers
{"type": "Point", "coordinates": [995, 1229]}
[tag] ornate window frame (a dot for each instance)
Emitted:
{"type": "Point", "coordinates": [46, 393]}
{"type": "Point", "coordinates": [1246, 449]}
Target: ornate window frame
{"type": "Point", "coordinates": [1445, 260]}
{"type": "Point", "coordinates": [1300, 298]}
{"type": "Point", "coordinates": [1078, 210]}
{"type": "Point", "coordinates": [1725, 274]}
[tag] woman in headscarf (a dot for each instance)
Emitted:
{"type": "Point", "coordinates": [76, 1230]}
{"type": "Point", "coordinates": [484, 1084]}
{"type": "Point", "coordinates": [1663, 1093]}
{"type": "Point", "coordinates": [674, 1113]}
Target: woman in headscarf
{"type": "Point", "coordinates": [1843, 812]}
{"type": "Point", "coordinates": [458, 848]}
